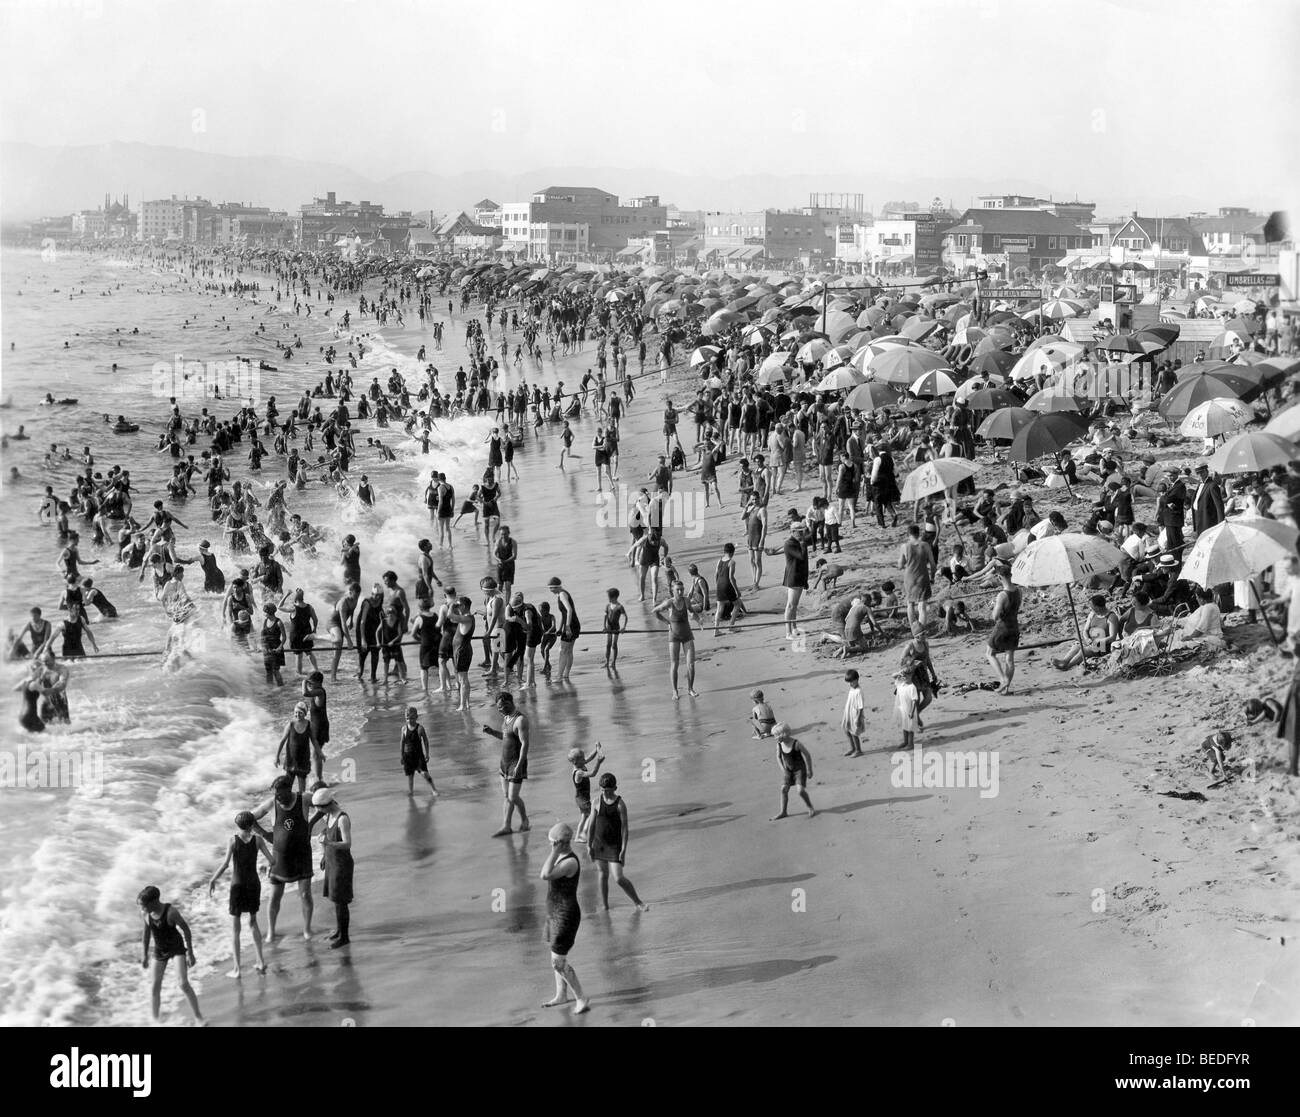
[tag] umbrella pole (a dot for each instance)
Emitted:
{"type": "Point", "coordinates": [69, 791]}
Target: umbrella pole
{"type": "Point", "coordinates": [1268, 623]}
{"type": "Point", "coordinates": [1083, 655]}
{"type": "Point", "coordinates": [1057, 458]}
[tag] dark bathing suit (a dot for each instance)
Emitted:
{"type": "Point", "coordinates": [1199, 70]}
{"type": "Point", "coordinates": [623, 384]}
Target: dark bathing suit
{"type": "Point", "coordinates": [510, 748]}
{"type": "Point", "coordinates": [563, 915]}
{"type": "Point", "coordinates": [245, 887]}
{"type": "Point", "coordinates": [168, 942]}
{"type": "Point", "coordinates": [605, 837]}
{"type": "Point", "coordinates": [291, 843]}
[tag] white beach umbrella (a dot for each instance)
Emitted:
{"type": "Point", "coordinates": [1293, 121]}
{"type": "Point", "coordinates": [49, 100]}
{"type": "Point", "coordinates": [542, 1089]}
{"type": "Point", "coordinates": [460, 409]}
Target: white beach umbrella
{"type": "Point", "coordinates": [1238, 549]}
{"type": "Point", "coordinates": [1215, 417]}
{"type": "Point", "coordinates": [1253, 452]}
{"type": "Point", "coordinates": [935, 476]}
{"type": "Point", "coordinates": [934, 383]}
{"type": "Point", "coordinates": [1062, 560]}
{"type": "Point", "coordinates": [840, 378]}
{"type": "Point", "coordinates": [1285, 424]}
{"type": "Point", "coordinates": [704, 355]}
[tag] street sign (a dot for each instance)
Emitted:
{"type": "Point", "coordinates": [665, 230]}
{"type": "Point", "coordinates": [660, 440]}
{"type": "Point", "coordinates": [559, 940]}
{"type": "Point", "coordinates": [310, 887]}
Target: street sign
{"type": "Point", "coordinates": [1011, 294]}
{"type": "Point", "coordinates": [1252, 279]}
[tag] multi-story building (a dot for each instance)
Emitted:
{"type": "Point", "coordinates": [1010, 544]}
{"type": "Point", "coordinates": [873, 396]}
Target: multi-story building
{"type": "Point", "coordinates": [486, 213]}
{"type": "Point", "coordinates": [113, 221]}
{"type": "Point", "coordinates": [1235, 232]}
{"type": "Point", "coordinates": [779, 236]}
{"type": "Point", "coordinates": [1079, 212]}
{"type": "Point", "coordinates": [553, 241]}
{"type": "Point", "coordinates": [610, 222]}
{"type": "Point", "coordinates": [168, 218]}
{"type": "Point", "coordinates": [324, 220]}
{"type": "Point", "coordinates": [1011, 241]}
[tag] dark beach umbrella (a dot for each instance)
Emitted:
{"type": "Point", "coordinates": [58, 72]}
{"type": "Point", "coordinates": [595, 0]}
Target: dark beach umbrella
{"type": "Point", "coordinates": [997, 362]}
{"type": "Point", "coordinates": [1005, 423]}
{"type": "Point", "coordinates": [994, 399]}
{"type": "Point", "coordinates": [873, 396]}
{"type": "Point", "coordinates": [1046, 434]}
{"type": "Point", "coordinates": [1197, 388]}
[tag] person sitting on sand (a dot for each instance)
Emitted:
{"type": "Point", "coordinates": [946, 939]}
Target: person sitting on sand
{"type": "Point", "coordinates": [1213, 749]}
{"type": "Point", "coordinates": [761, 717]}
{"type": "Point", "coordinates": [1100, 631]}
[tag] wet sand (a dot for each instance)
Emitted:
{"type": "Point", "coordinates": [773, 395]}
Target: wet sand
{"type": "Point", "coordinates": [893, 906]}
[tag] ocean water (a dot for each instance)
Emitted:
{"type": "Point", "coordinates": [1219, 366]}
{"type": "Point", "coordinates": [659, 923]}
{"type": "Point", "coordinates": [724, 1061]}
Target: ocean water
{"type": "Point", "coordinates": [179, 752]}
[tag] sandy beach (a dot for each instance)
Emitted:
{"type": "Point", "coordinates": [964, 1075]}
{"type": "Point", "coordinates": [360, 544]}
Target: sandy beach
{"type": "Point", "coordinates": [895, 905]}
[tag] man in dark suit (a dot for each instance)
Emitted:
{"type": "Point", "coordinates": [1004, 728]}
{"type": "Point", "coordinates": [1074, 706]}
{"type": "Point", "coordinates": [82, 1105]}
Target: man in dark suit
{"type": "Point", "coordinates": [1207, 503]}
{"type": "Point", "coordinates": [1173, 510]}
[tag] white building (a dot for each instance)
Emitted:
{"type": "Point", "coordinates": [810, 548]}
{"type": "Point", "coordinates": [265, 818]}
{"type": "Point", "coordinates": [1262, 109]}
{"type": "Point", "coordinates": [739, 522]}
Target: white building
{"type": "Point", "coordinates": [551, 240]}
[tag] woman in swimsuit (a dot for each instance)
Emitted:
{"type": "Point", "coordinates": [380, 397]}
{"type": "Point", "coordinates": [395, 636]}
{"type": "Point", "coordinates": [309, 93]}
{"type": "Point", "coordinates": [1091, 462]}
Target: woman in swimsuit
{"type": "Point", "coordinates": [607, 839]}
{"type": "Point", "coordinates": [462, 646]}
{"type": "Point", "coordinates": [1005, 637]}
{"type": "Point", "coordinates": [337, 862]}
{"type": "Point", "coordinates": [1100, 631]}
{"type": "Point", "coordinates": [561, 871]}
{"type": "Point", "coordinates": [299, 747]}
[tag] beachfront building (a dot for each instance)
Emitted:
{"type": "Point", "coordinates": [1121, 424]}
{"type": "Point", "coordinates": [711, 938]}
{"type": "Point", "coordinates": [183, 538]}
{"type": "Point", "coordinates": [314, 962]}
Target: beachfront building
{"type": "Point", "coordinates": [486, 213]}
{"type": "Point", "coordinates": [776, 236]}
{"type": "Point", "coordinates": [1235, 238]}
{"type": "Point", "coordinates": [1011, 242]}
{"type": "Point", "coordinates": [163, 219]}
{"type": "Point", "coordinates": [112, 221]}
{"type": "Point", "coordinates": [1077, 211]}
{"type": "Point", "coordinates": [323, 220]}
{"type": "Point", "coordinates": [558, 242]}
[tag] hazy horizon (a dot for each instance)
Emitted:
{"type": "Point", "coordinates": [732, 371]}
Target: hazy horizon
{"type": "Point", "coordinates": [1105, 100]}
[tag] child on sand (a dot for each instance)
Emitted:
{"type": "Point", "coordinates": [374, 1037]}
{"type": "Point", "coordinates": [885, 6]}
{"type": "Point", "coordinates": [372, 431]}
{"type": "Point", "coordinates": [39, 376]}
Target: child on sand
{"type": "Point", "coordinates": [761, 717]}
{"type": "Point", "coordinates": [854, 721]}
{"type": "Point", "coordinates": [414, 751]}
{"type": "Point", "coordinates": [907, 701]}
{"type": "Point", "coordinates": [581, 776]}
{"type": "Point", "coordinates": [615, 622]}
{"type": "Point", "coordinates": [888, 608]}
{"type": "Point", "coordinates": [245, 887]}
{"type": "Point", "coordinates": [796, 769]}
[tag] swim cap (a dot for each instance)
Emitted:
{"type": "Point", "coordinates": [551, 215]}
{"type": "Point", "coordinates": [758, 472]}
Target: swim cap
{"type": "Point", "coordinates": [576, 754]}
{"type": "Point", "coordinates": [323, 797]}
{"type": "Point", "coordinates": [609, 780]}
{"type": "Point", "coordinates": [554, 583]}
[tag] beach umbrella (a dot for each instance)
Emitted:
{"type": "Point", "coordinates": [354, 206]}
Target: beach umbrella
{"type": "Point", "coordinates": [873, 396]}
{"type": "Point", "coordinates": [997, 363]}
{"type": "Point", "coordinates": [902, 366]}
{"type": "Point", "coordinates": [1046, 340]}
{"type": "Point", "coordinates": [1132, 343]}
{"type": "Point", "coordinates": [756, 334]}
{"type": "Point", "coordinates": [1047, 434]}
{"type": "Point", "coordinates": [1197, 388]}
{"type": "Point", "coordinates": [935, 476]}
{"type": "Point", "coordinates": [1235, 551]}
{"type": "Point", "coordinates": [1037, 362]}
{"type": "Point", "coordinates": [839, 355]}
{"type": "Point", "coordinates": [1063, 560]}
{"type": "Point", "coordinates": [773, 369]}
{"type": "Point", "coordinates": [840, 378]}
{"type": "Point", "coordinates": [1048, 400]}
{"type": "Point", "coordinates": [934, 383]}
{"type": "Point", "coordinates": [1245, 327]}
{"type": "Point", "coordinates": [1004, 423]}
{"type": "Point", "coordinates": [839, 325]}
{"type": "Point", "coordinates": [813, 351]}
{"type": "Point", "coordinates": [704, 355]}
{"type": "Point", "coordinates": [1285, 424]}
{"type": "Point", "coordinates": [1226, 339]}
{"type": "Point", "coordinates": [990, 399]}
{"type": "Point", "coordinates": [1215, 417]}
{"type": "Point", "coordinates": [1244, 306]}
{"type": "Point", "coordinates": [1166, 333]}
{"type": "Point", "coordinates": [1252, 452]}
{"type": "Point", "coordinates": [918, 329]}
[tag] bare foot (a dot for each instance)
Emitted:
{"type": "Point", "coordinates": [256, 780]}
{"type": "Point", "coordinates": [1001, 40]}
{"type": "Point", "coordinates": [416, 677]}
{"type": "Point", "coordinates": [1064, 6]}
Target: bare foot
{"type": "Point", "coordinates": [812, 813]}
{"type": "Point", "coordinates": [525, 826]}
{"type": "Point", "coordinates": [693, 693]}
{"type": "Point", "coordinates": [260, 967]}
{"type": "Point", "coordinates": [643, 907]}
{"type": "Point", "coordinates": [778, 817]}
{"type": "Point", "coordinates": [235, 973]}
{"type": "Point", "coordinates": [580, 1006]}
{"type": "Point", "coordinates": [503, 832]}
{"type": "Point", "coordinates": [554, 1001]}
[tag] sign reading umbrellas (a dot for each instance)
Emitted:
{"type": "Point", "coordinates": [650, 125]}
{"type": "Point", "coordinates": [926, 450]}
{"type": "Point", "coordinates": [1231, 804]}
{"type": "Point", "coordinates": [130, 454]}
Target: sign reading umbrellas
{"type": "Point", "coordinates": [1062, 560]}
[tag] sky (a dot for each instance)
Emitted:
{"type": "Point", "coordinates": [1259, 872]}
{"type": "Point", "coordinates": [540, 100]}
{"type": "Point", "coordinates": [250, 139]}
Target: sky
{"type": "Point", "coordinates": [1085, 97]}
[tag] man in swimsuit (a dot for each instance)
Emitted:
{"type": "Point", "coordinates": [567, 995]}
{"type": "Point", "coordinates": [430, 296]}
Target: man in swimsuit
{"type": "Point", "coordinates": [569, 628]}
{"type": "Point", "coordinates": [171, 938]}
{"type": "Point", "coordinates": [291, 841]}
{"type": "Point", "coordinates": [513, 735]}
{"type": "Point", "coordinates": [340, 624]}
{"type": "Point", "coordinates": [679, 608]}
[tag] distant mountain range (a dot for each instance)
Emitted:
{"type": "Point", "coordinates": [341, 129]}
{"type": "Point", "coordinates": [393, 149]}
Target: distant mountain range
{"type": "Point", "coordinates": [40, 181]}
